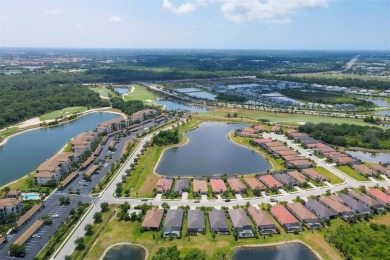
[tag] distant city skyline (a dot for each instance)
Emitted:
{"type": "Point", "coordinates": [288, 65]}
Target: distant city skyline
{"type": "Point", "coordinates": [197, 24]}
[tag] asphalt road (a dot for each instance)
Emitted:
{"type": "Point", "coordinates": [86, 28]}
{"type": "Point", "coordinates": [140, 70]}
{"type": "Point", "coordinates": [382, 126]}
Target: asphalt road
{"type": "Point", "coordinates": [108, 194]}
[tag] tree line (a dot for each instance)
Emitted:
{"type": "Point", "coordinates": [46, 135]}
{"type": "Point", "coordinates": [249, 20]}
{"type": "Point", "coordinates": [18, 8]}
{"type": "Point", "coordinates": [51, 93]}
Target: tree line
{"type": "Point", "coordinates": [349, 135]}
{"type": "Point", "coordinates": [166, 137]}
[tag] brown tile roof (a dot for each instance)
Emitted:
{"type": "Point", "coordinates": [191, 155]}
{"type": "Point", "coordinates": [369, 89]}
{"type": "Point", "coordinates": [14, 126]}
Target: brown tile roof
{"type": "Point", "coordinates": [28, 215]}
{"type": "Point", "coordinates": [254, 183]}
{"type": "Point", "coordinates": [270, 181]}
{"type": "Point", "coordinates": [260, 128]}
{"type": "Point", "coordinates": [259, 217]}
{"type": "Point", "coordinates": [153, 218]}
{"type": "Point", "coordinates": [380, 168]}
{"type": "Point", "coordinates": [235, 184]}
{"type": "Point", "coordinates": [91, 170]}
{"type": "Point", "coordinates": [287, 152]}
{"type": "Point", "coordinates": [298, 176]}
{"type": "Point", "coordinates": [164, 184]}
{"type": "Point", "coordinates": [29, 232]}
{"type": "Point", "coordinates": [363, 169]}
{"type": "Point", "coordinates": [301, 211]}
{"type": "Point", "coordinates": [199, 186]}
{"type": "Point", "coordinates": [345, 159]}
{"type": "Point", "coordinates": [87, 162]}
{"type": "Point", "coordinates": [335, 205]}
{"type": "Point", "coordinates": [275, 128]}
{"type": "Point", "coordinates": [44, 174]}
{"type": "Point", "coordinates": [9, 202]}
{"type": "Point", "coordinates": [300, 162]}
{"type": "Point", "coordinates": [293, 157]}
{"type": "Point", "coordinates": [276, 143]}
{"type": "Point", "coordinates": [262, 141]}
{"type": "Point", "coordinates": [313, 174]}
{"type": "Point", "coordinates": [69, 178]}
{"type": "Point", "coordinates": [280, 148]}
{"type": "Point", "coordinates": [218, 185]}
{"type": "Point", "coordinates": [380, 195]}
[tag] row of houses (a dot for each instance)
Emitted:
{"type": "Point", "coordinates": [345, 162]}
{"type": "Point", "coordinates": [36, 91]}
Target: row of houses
{"type": "Point", "coordinates": [218, 222]}
{"type": "Point", "coordinates": [337, 157]}
{"type": "Point", "coordinates": [279, 150]}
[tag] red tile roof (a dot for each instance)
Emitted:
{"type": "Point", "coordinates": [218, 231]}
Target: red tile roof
{"type": "Point", "coordinates": [218, 185]}
{"type": "Point", "coordinates": [235, 184]}
{"type": "Point", "coordinates": [254, 183]}
{"type": "Point", "coordinates": [283, 215]}
{"type": "Point", "coordinates": [270, 181]}
{"type": "Point", "coordinates": [380, 195]}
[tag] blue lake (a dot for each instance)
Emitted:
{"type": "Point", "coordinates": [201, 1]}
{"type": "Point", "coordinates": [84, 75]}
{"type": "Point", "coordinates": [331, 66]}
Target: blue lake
{"type": "Point", "coordinates": [121, 252]}
{"type": "Point", "coordinates": [122, 91]}
{"type": "Point", "coordinates": [209, 152]}
{"type": "Point", "coordinates": [201, 94]}
{"type": "Point", "coordinates": [287, 251]}
{"type": "Point", "coordinates": [174, 105]}
{"type": "Point", "coordinates": [24, 152]}
{"type": "Point", "coordinates": [370, 157]}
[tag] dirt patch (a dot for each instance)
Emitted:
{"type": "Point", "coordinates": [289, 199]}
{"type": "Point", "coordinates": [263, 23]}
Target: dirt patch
{"type": "Point", "coordinates": [30, 122]}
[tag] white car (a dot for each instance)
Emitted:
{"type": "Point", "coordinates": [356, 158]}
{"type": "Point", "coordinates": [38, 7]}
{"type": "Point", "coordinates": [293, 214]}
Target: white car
{"type": "Point", "coordinates": [36, 236]}
{"type": "Point", "coordinates": [55, 216]}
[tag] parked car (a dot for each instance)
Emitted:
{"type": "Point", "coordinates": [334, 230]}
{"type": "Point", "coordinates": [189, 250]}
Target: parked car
{"type": "Point", "coordinates": [36, 236]}
{"type": "Point", "coordinates": [56, 216]}
{"type": "Point", "coordinates": [196, 201]}
{"type": "Point", "coordinates": [227, 200]}
{"type": "Point", "coordinates": [144, 199]}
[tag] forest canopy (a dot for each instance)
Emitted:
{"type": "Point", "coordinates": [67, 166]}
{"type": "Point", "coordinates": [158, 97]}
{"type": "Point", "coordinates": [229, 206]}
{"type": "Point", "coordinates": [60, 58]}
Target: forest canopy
{"type": "Point", "coordinates": [166, 137]}
{"type": "Point", "coordinates": [349, 135]}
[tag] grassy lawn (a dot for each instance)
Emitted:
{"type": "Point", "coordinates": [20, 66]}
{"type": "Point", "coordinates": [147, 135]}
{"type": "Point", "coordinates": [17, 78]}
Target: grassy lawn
{"type": "Point", "coordinates": [340, 76]}
{"type": "Point", "coordinates": [143, 179]}
{"type": "Point", "coordinates": [141, 93]}
{"type": "Point", "coordinates": [9, 131]}
{"type": "Point", "coordinates": [284, 117]}
{"type": "Point", "coordinates": [62, 113]}
{"type": "Point", "coordinates": [117, 232]}
{"type": "Point", "coordinates": [103, 92]}
{"type": "Point", "coordinates": [352, 173]}
{"type": "Point", "coordinates": [330, 176]}
{"type": "Point", "coordinates": [277, 164]}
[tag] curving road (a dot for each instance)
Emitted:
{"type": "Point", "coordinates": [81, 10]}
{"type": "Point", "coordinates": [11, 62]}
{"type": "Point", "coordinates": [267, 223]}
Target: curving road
{"type": "Point", "coordinates": [108, 194]}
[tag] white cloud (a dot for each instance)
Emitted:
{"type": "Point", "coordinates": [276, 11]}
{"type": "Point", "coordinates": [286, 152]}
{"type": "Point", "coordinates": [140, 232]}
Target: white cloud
{"type": "Point", "coordinates": [270, 11]}
{"type": "Point", "coordinates": [55, 11]}
{"type": "Point", "coordinates": [115, 19]}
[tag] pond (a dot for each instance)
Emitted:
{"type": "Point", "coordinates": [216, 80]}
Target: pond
{"type": "Point", "coordinates": [209, 152]}
{"type": "Point", "coordinates": [202, 94]}
{"type": "Point", "coordinates": [290, 251]}
{"type": "Point", "coordinates": [122, 91]}
{"type": "Point", "coordinates": [370, 157]}
{"type": "Point", "coordinates": [380, 102]}
{"type": "Point", "coordinates": [120, 252]}
{"type": "Point", "coordinates": [24, 152]}
{"type": "Point", "coordinates": [174, 105]}
{"type": "Point", "coordinates": [185, 90]}
{"type": "Point", "coordinates": [385, 112]}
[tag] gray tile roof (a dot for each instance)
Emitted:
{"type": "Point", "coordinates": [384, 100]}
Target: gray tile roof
{"type": "Point", "coordinates": [181, 185]}
{"type": "Point", "coordinates": [239, 218]}
{"type": "Point", "coordinates": [196, 219]}
{"type": "Point", "coordinates": [285, 179]}
{"type": "Point", "coordinates": [319, 209]}
{"type": "Point", "coordinates": [218, 219]}
{"type": "Point", "coordinates": [354, 204]}
{"type": "Point", "coordinates": [173, 220]}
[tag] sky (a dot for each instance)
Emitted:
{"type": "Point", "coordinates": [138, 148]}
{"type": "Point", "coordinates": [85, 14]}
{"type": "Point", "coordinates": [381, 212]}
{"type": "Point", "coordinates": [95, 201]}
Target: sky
{"type": "Point", "coordinates": [197, 24]}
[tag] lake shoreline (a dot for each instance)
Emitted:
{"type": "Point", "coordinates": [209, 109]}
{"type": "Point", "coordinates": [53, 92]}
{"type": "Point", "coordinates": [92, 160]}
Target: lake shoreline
{"type": "Point", "coordinates": [38, 126]}
{"type": "Point", "coordinates": [281, 243]}
{"type": "Point", "coordinates": [124, 244]}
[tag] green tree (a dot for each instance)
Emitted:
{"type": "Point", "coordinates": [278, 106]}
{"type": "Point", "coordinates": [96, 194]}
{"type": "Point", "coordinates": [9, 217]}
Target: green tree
{"type": "Point", "coordinates": [195, 254]}
{"type": "Point", "coordinates": [223, 254]}
{"type": "Point", "coordinates": [17, 250]}
{"type": "Point", "coordinates": [167, 253]}
{"type": "Point", "coordinates": [104, 206]}
{"type": "Point", "coordinates": [80, 244]}
{"type": "Point", "coordinates": [88, 229]}
{"type": "Point", "coordinates": [97, 217]}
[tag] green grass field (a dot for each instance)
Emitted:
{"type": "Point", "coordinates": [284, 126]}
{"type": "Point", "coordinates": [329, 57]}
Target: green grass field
{"type": "Point", "coordinates": [62, 113]}
{"type": "Point", "coordinates": [331, 177]}
{"type": "Point", "coordinates": [141, 93]}
{"type": "Point", "coordinates": [351, 173]}
{"type": "Point", "coordinates": [293, 119]}
{"type": "Point", "coordinates": [103, 92]}
{"type": "Point", "coordinates": [9, 131]}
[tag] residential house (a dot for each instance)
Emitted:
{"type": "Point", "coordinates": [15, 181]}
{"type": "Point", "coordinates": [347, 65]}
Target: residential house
{"type": "Point", "coordinates": [14, 193]}
{"type": "Point", "coordinates": [218, 221]}
{"type": "Point", "coordinates": [335, 204]}
{"type": "Point", "coordinates": [199, 186]}
{"type": "Point", "coordinates": [270, 181]}
{"type": "Point", "coordinates": [254, 183]}
{"type": "Point", "coordinates": [236, 185]}
{"type": "Point", "coordinates": [152, 219]}
{"type": "Point", "coordinates": [218, 186]}
{"type": "Point", "coordinates": [354, 204]}
{"type": "Point", "coordinates": [367, 200]}
{"type": "Point", "coordinates": [196, 222]}
{"type": "Point", "coordinates": [164, 185]}
{"type": "Point", "coordinates": [379, 195]}
{"type": "Point", "coordinates": [241, 223]}
{"type": "Point", "coordinates": [173, 223]}
{"type": "Point", "coordinates": [320, 209]}
{"type": "Point", "coordinates": [301, 179]}
{"type": "Point", "coordinates": [300, 164]}
{"type": "Point", "coordinates": [344, 160]}
{"type": "Point", "coordinates": [142, 115]}
{"type": "Point", "coordinates": [363, 169]}
{"type": "Point", "coordinates": [286, 219]}
{"type": "Point", "coordinates": [285, 179]}
{"type": "Point", "coordinates": [314, 175]}
{"type": "Point", "coordinates": [304, 215]}
{"type": "Point", "coordinates": [380, 169]}
{"type": "Point", "coordinates": [182, 185]}
{"type": "Point", "coordinates": [263, 223]}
